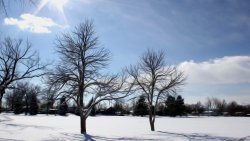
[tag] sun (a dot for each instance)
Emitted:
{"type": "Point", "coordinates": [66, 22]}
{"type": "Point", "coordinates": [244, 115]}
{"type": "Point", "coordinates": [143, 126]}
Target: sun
{"type": "Point", "coordinates": [57, 5]}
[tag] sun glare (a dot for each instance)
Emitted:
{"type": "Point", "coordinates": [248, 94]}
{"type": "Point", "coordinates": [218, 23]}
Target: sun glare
{"type": "Point", "coordinates": [57, 5]}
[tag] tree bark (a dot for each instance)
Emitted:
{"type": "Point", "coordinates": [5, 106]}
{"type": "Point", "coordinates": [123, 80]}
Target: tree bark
{"type": "Point", "coordinates": [83, 125]}
{"type": "Point", "coordinates": [151, 121]}
{"type": "Point", "coordinates": [1, 97]}
{"type": "Point", "coordinates": [152, 125]}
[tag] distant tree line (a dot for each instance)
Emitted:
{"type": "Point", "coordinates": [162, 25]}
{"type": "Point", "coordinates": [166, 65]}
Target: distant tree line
{"type": "Point", "coordinates": [29, 99]}
{"type": "Point", "coordinates": [216, 107]}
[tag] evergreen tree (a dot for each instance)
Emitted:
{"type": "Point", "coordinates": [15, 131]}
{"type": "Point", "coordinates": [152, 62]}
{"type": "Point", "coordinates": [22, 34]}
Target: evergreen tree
{"type": "Point", "coordinates": [119, 108]}
{"type": "Point", "coordinates": [180, 107]}
{"type": "Point", "coordinates": [175, 106]}
{"type": "Point", "coordinates": [160, 110]}
{"type": "Point", "coordinates": [18, 104]}
{"type": "Point", "coordinates": [18, 95]}
{"type": "Point", "coordinates": [141, 107]}
{"type": "Point", "coordinates": [33, 108]}
{"type": "Point", "coordinates": [63, 108]}
{"type": "Point", "coordinates": [170, 106]}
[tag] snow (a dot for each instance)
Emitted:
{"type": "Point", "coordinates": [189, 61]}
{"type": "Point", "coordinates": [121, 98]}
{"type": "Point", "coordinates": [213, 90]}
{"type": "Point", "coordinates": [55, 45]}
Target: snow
{"type": "Point", "coordinates": [109, 128]}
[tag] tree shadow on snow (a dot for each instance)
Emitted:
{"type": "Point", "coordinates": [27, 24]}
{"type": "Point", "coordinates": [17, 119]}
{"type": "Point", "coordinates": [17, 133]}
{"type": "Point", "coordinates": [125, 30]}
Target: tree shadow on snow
{"type": "Point", "coordinates": [201, 137]}
{"type": "Point", "coordinates": [165, 136]}
{"type": "Point", "coordinates": [87, 137]}
{"type": "Point", "coordinates": [77, 137]}
{"type": "Point", "coordinates": [23, 126]}
{"type": "Point", "coordinates": [3, 139]}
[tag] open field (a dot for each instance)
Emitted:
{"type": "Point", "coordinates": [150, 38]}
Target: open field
{"type": "Point", "coordinates": [48, 128]}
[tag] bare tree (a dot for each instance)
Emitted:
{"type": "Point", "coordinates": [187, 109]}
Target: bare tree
{"type": "Point", "coordinates": [155, 80]}
{"type": "Point", "coordinates": [208, 104]}
{"type": "Point", "coordinates": [50, 94]}
{"type": "Point", "coordinates": [216, 105]}
{"type": "Point", "coordinates": [79, 71]}
{"type": "Point", "coordinates": [17, 63]}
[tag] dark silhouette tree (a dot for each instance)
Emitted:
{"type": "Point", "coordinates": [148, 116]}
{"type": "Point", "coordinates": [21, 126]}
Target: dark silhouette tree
{"type": "Point", "coordinates": [235, 109]}
{"type": "Point", "coordinates": [155, 80]}
{"type": "Point", "coordinates": [141, 107]}
{"type": "Point", "coordinates": [33, 105]}
{"type": "Point", "coordinates": [179, 106]}
{"type": "Point", "coordinates": [175, 106]}
{"type": "Point", "coordinates": [25, 98]}
{"type": "Point", "coordinates": [19, 95]}
{"type": "Point", "coordinates": [119, 108]}
{"type": "Point", "coordinates": [63, 107]}
{"type": "Point", "coordinates": [18, 103]}
{"type": "Point", "coordinates": [170, 106]}
{"type": "Point", "coordinates": [79, 71]}
{"type": "Point", "coordinates": [14, 56]}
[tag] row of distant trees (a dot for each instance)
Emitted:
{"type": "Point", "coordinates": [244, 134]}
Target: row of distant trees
{"type": "Point", "coordinates": [172, 106]}
{"type": "Point", "coordinates": [31, 99]}
{"type": "Point", "coordinates": [217, 107]}
{"type": "Point", "coordinates": [175, 106]}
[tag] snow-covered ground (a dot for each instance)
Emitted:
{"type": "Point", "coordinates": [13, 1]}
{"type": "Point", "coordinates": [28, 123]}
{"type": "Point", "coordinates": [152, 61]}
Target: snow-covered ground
{"type": "Point", "coordinates": [109, 128]}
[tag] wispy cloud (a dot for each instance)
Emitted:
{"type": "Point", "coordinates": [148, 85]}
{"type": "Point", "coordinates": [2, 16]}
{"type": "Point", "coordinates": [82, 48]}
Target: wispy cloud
{"type": "Point", "coordinates": [226, 70]}
{"type": "Point", "coordinates": [32, 23]}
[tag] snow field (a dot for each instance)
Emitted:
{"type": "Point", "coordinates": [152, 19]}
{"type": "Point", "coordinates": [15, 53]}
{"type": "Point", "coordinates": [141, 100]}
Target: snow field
{"type": "Point", "coordinates": [48, 128]}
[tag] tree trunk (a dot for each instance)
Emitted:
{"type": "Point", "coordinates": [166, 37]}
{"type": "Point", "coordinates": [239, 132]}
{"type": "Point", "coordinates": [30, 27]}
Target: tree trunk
{"type": "Point", "coordinates": [1, 96]}
{"type": "Point", "coordinates": [47, 108]}
{"type": "Point", "coordinates": [26, 105]}
{"type": "Point", "coordinates": [152, 123]}
{"type": "Point", "coordinates": [83, 125]}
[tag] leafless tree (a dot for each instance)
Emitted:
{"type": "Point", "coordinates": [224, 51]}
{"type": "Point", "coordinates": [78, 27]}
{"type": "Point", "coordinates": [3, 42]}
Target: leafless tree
{"type": "Point", "coordinates": [17, 62]}
{"type": "Point", "coordinates": [80, 71]}
{"type": "Point", "coordinates": [50, 94]}
{"type": "Point", "coordinates": [154, 79]}
{"type": "Point", "coordinates": [9, 99]}
{"type": "Point", "coordinates": [216, 105]}
{"type": "Point", "coordinates": [208, 103]}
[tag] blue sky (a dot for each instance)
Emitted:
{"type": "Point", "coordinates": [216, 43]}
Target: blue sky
{"type": "Point", "coordinates": [209, 39]}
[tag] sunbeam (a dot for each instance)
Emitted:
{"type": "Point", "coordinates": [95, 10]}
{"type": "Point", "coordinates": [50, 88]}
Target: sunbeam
{"type": "Point", "coordinates": [58, 5]}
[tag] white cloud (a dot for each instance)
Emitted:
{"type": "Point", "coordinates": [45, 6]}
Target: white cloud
{"type": "Point", "coordinates": [32, 23]}
{"type": "Point", "coordinates": [226, 70]}
{"type": "Point", "coordinates": [226, 78]}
